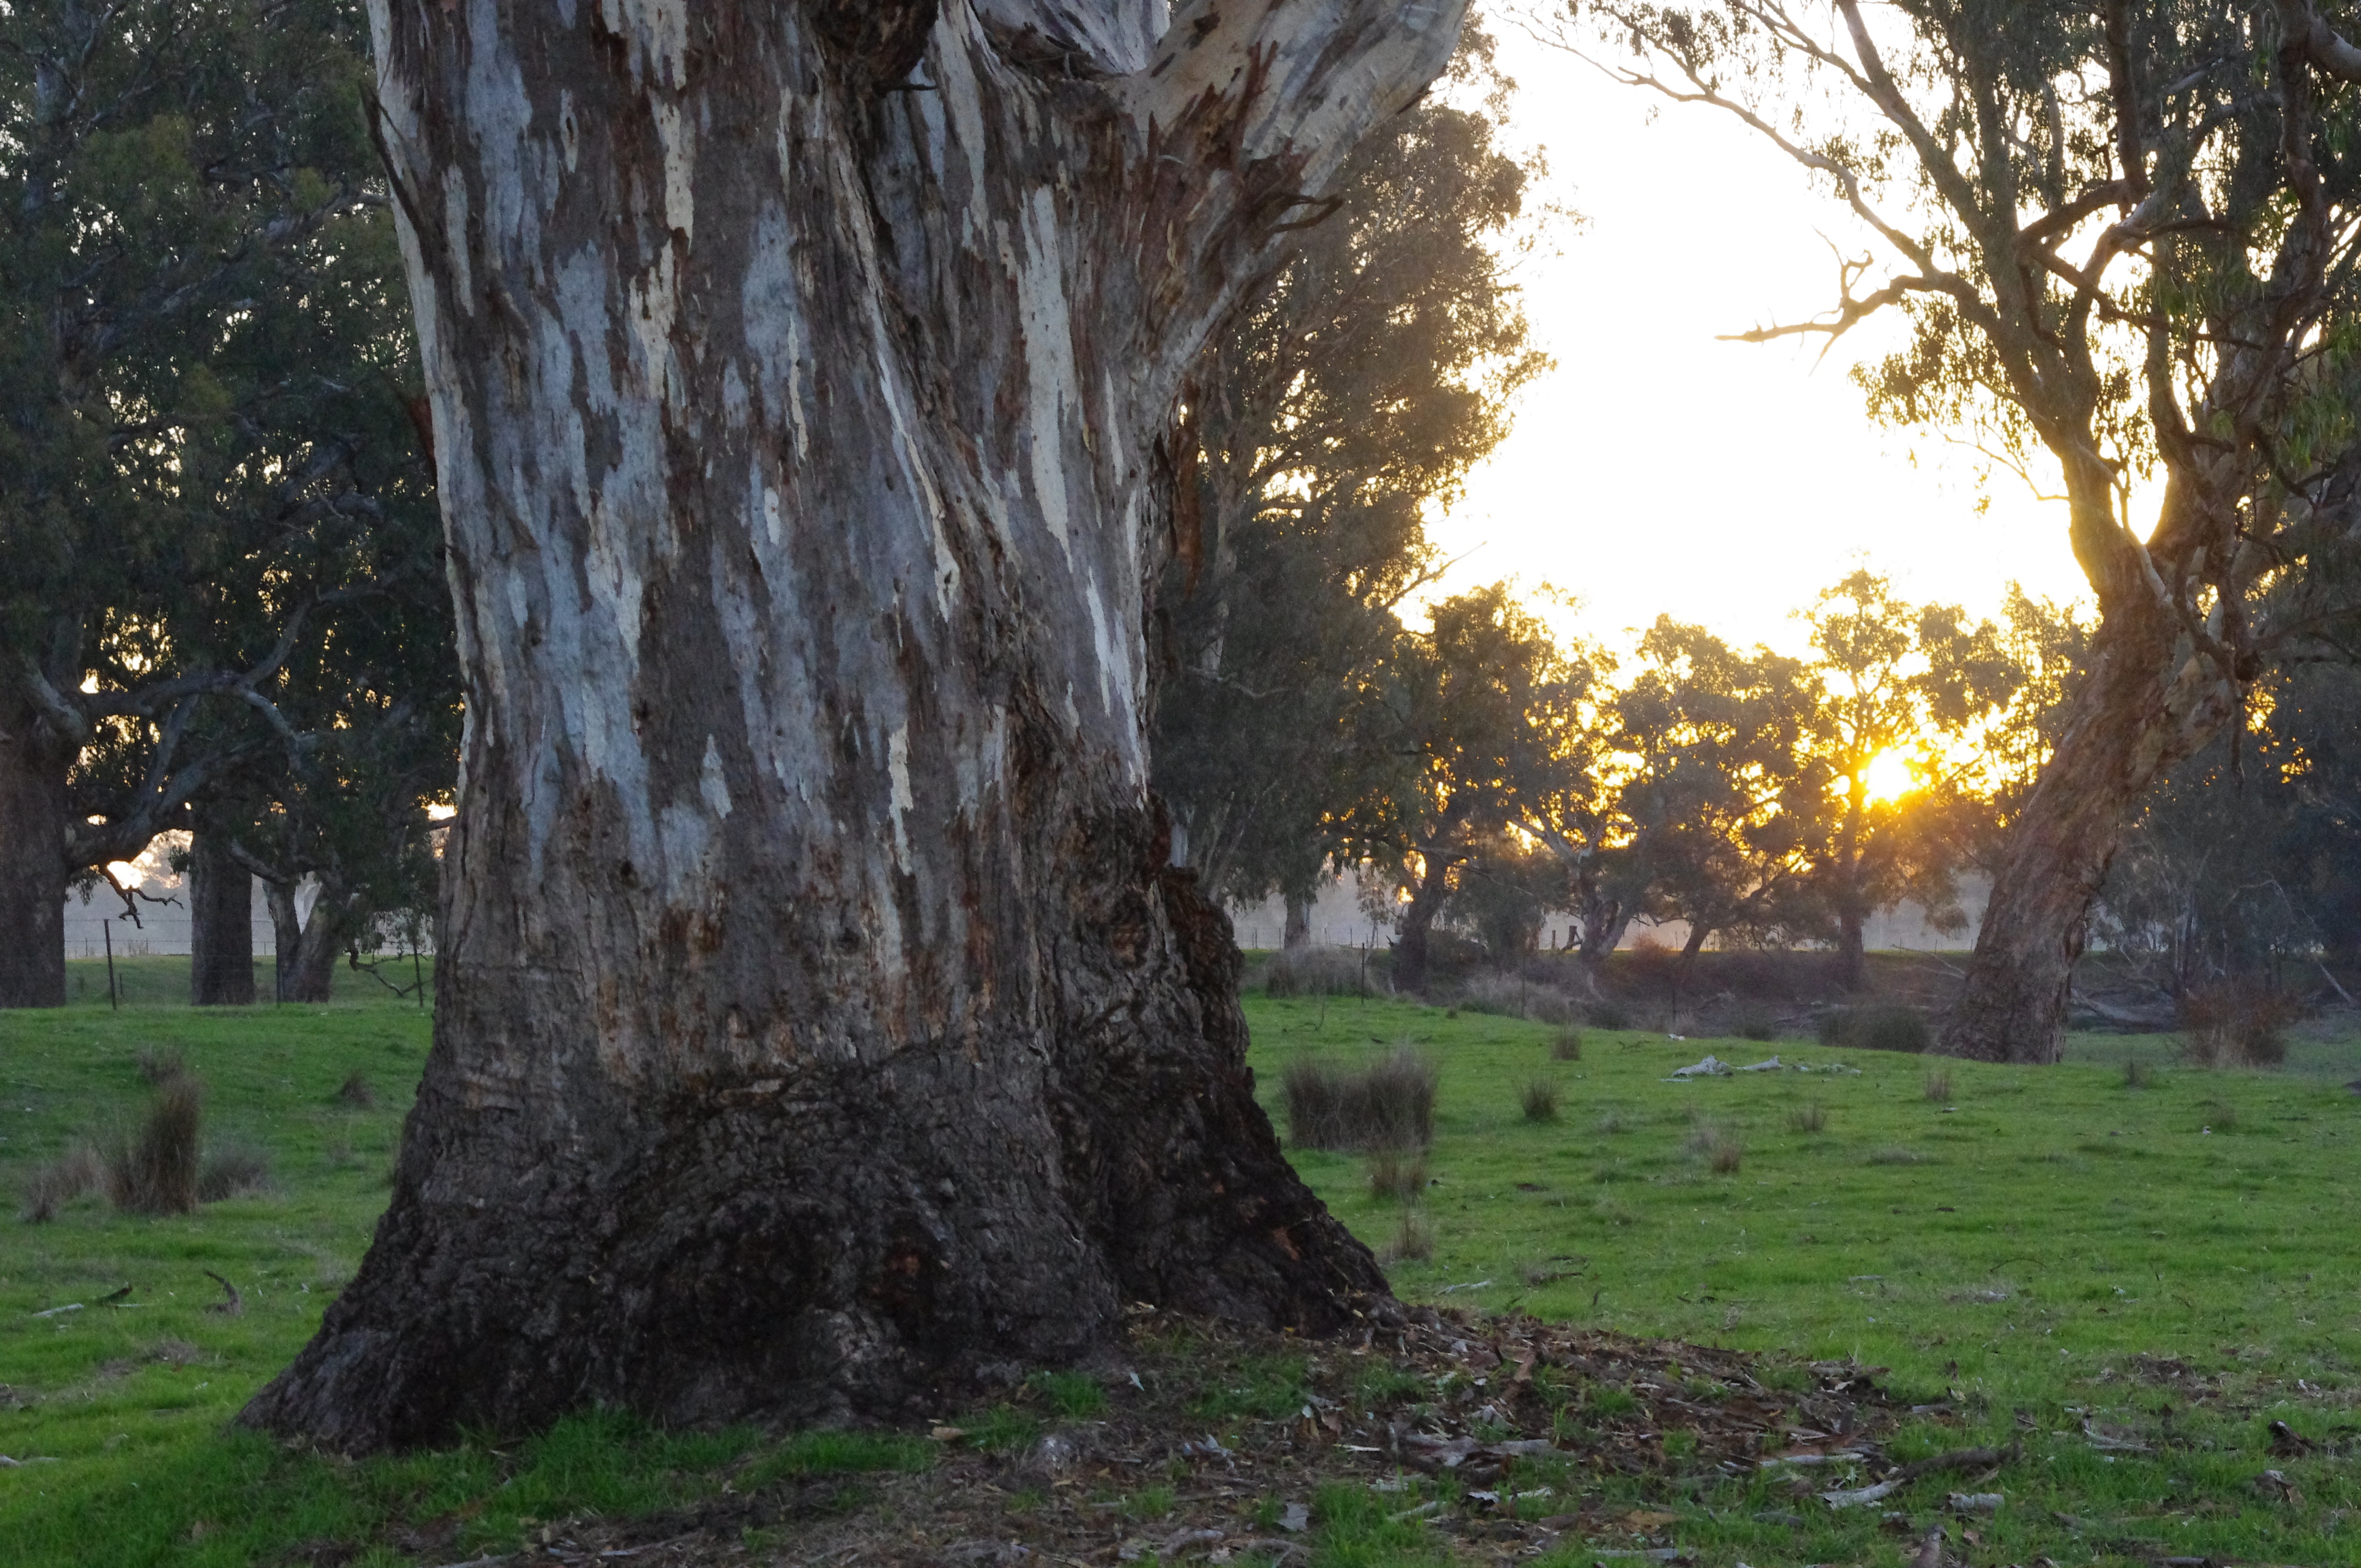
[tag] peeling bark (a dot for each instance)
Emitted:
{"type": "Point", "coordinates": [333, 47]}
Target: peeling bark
{"type": "Point", "coordinates": [818, 1017]}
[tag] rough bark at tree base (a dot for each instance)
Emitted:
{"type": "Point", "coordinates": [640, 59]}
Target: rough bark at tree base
{"type": "Point", "coordinates": [834, 1241]}
{"type": "Point", "coordinates": [33, 822]}
{"type": "Point", "coordinates": [818, 1018]}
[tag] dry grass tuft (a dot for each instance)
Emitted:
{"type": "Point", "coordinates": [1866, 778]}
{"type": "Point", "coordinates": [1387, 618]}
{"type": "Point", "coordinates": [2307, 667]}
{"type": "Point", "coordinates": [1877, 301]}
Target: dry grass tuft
{"type": "Point", "coordinates": [161, 1064]}
{"type": "Point", "coordinates": [59, 1182]}
{"type": "Point", "coordinates": [2138, 1075]}
{"type": "Point", "coordinates": [1938, 1085]}
{"type": "Point", "coordinates": [1413, 1239]}
{"type": "Point", "coordinates": [1754, 1022]}
{"type": "Point", "coordinates": [1540, 1101]}
{"type": "Point", "coordinates": [358, 1091]}
{"type": "Point", "coordinates": [1898, 1156]}
{"type": "Point", "coordinates": [1810, 1117]}
{"type": "Point", "coordinates": [156, 1171]}
{"type": "Point", "coordinates": [1567, 1047]}
{"type": "Point", "coordinates": [1389, 1106]}
{"type": "Point", "coordinates": [1721, 1150]}
{"type": "Point", "coordinates": [2234, 1025]}
{"type": "Point", "coordinates": [233, 1172]}
{"type": "Point", "coordinates": [1396, 1176]}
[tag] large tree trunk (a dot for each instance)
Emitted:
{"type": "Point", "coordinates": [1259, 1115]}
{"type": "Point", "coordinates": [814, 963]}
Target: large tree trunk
{"type": "Point", "coordinates": [818, 1018]}
{"type": "Point", "coordinates": [221, 925]}
{"type": "Point", "coordinates": [2144, 703]}
{"type": "Point", "coordinates": [33, 764]}
{"type": "Point", "coordinates": [1413, 939]}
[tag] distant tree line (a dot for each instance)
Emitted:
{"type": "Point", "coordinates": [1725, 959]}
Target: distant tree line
{"type": "Point", "coordinates": [222, 601]}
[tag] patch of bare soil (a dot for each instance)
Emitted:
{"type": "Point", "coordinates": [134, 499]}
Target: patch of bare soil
{"type": "Point", "coordinates": [1212, 1442]}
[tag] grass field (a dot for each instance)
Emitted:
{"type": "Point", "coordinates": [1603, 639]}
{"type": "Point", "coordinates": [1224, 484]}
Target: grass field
{"type": "Point", "coordinates": [2135, 1281]}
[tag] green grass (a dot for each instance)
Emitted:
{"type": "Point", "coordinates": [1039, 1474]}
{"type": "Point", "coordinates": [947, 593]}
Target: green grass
{"type": "Point", "coordinates": [2014, 1251]}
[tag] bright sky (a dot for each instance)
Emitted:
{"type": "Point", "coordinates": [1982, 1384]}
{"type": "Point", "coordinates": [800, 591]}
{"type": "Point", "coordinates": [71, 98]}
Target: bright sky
{"type": "Point", "coordinates": [1657, 469]}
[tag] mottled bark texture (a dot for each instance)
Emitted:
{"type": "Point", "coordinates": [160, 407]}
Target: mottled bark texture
{"type": "Point", "coordinates": [818, 1016]}
{"type": "Point", "coordinates": [33, 825]}
{"type": "Point", "coordinates": [221, 925]}
{"type": "Point", "coordinates": [2147, 700]}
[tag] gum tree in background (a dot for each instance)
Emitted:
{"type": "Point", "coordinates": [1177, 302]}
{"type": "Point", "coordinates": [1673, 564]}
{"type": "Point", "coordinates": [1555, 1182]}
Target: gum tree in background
{"type": "Point", "coordinates": [2122, 237]}
{"type": "Point", "coordinates": [203, 451]}
{"type": "Point", "coordinates": [1349, 396]}
{"type": "Point", "coordinates": [818, 1015]}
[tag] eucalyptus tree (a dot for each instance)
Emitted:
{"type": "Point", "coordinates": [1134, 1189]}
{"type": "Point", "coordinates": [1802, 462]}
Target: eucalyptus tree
{"type": "Point", "coordinates": [818, 1016]}
{"type": "Point", "coordinates": [1471, 716]}
{"type": "Point", "coordinates": [1722, 801]}
{"type": "Point", "coordinates": [2123, 239]}
{"type": "Point", "coordinates": [201, 411]}
{"type": "Point", "coordinates": [1349, 397]}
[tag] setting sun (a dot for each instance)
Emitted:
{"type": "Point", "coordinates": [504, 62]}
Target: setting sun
{"type": "Point", "coordinates": [1890, 776]}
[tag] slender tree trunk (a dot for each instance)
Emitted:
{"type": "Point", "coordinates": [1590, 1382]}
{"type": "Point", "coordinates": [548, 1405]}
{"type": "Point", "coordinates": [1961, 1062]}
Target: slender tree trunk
{"type": "Point", "coordinates": [1852, 954]}
{"type": "Point", "coordinates": [285, 938]}
{"type": "Point", "coordinates": [1299, 920]}
{"type": "Point", "coordinates": [818, 1018]}
{"type": "Point", "coordinates": [221, 925]}
{"type": "Point", "coordinates": [33, 824]}
{"type": "Point", "coordinates": [2144, 704]}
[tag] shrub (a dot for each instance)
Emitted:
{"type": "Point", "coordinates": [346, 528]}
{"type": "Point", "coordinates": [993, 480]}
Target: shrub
{"type": "Point", "coordinates": [1540, 1101]}
{"type": "Point", "coordinates": [1387, 1107]}
{"type": "Point", "coordinates": [1755, 1023]}
{"type": "Point", "coordinates": [1810, 1117]}
{"type": "Point", "coordinates": [1319, 971]}
{"type": "Point", "coordinates": [1938, 1085]}
{"type": "Point", "coordinates": [1882, 1027]}
{"type": "Point", "coordinates": [1721, 1152]}
{"type": "Point", "coordinates": [61, 1181]}
{"type": "Point", "coordinates": [155, 1171]}
{"type": "Point", "coordinates": [1567, 1047]}
{"type": "Point", "coordinates": [1510, 996]}
{"type": "Point", "coordinates": [1394, 1177]}
{"type": "Point", "coordinates": [2234, 1025]}
{"type": "Point", "coordinates": [1606, 1015]}
{"type": "Point", "coordinates": [1413, 1238]}
{"type": "Point", "coordinates": [358, 1091]}
{"type": "Point", "coordinates": [233, 1172]}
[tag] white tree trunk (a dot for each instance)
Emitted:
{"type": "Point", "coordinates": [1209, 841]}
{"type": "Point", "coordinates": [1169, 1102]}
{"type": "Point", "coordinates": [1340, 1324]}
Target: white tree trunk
{"type": "Point", "coordinates": [818, 1018]}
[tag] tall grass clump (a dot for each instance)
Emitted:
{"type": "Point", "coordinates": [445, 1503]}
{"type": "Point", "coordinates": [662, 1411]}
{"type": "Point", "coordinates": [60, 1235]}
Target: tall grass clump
{"type": "Point", "coordinates": [1810, 1117]}
{"type": "Point", "coordinates": [1389, 1106]}
{"type": "Point", "coordinates": [1395, 1177]}
{"type": "Point", "coordinates": [2234, 1025]}
{"type": "Point", "coordinates": [1567, 1047]}
{"type": "Point", "coordinates": [1413, 1238]}
{"type": "Point", "coordinates": [1721, 1150]}
{"type": "Point", "coordinates": [1754, 1022]}
{"type": "Point", "coordinates": [2138, 1074]}
{"type": "Point", "coordinates": [1540, 1101]}
{"type": "Point", "coordinates": [60, 1181]}
{"type": "Point", "coordinates": [155, 1170]}
{"type": "Point", "coordinates": [1606, 1013]}
{"type": "Point", "coordinates": [1881, 1027]}
{"type": "Point", "coordinates": [1319, 971]}
{"type": "Point", "coordinates": [1938, 1085]}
